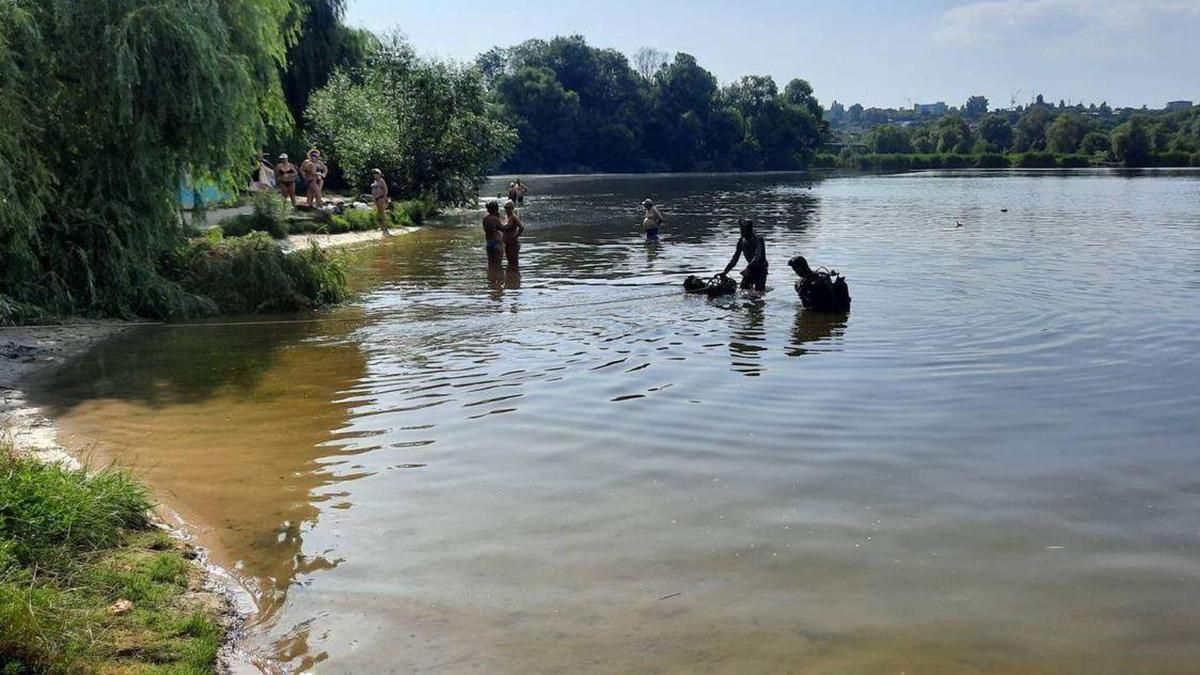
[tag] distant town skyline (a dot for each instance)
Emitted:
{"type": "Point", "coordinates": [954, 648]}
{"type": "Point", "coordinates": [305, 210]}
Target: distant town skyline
{"type": "Point", "coordinates": [879, 54]}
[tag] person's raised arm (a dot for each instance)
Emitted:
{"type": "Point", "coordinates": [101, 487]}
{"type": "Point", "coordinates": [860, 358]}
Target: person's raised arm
{"type": "Point", "coordinates": [737, 253]}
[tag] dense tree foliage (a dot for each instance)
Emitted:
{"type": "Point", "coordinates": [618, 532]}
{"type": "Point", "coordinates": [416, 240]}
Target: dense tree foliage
{"type": "Point", "coordinates": [107, 105]}
{"type": "Point", "coordinates": [579, 108]}
{"type": "Point", "coordinates": [424, 123]}
{"type": "Point", "coordinates": [324, 45]}
{"type": "Point", "coordinates": [976, 106]}
{"type": "Point", "coordinates": [1084, 134]}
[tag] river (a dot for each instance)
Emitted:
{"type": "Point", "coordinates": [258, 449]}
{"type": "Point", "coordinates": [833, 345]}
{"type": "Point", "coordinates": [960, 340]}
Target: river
{"type": "Point", "coordinates": [990, 465]}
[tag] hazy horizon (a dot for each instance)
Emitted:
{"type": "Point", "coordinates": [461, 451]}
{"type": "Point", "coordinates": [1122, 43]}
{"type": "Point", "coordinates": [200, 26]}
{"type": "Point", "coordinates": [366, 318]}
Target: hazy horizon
{"type": "Point", "coordinates": [874, 53]}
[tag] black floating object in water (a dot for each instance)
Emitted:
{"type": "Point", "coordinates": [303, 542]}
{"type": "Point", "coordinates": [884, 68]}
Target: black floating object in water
{"type": "Point", "coordinates": [719, 284]}
{"type": "Point", "coordinates": [1003, 210]}
{"type": "Point", "coordinates": [958, 223]}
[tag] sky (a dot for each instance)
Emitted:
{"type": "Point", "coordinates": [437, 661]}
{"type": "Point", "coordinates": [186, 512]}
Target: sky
{"type": "Point", "coordinates": [874, 52]}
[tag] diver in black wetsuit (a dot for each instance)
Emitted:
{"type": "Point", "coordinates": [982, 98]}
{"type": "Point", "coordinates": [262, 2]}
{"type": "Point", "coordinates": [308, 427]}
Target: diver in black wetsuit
{"type": "Point", "coordinates": [754, 249]}
{"type": "Point", "coordinates": [820, 290]}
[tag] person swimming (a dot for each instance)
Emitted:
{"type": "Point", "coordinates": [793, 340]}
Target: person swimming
{"type": "Point", "coordinates": [820, 290]}
{"type": "Point", "coordinates": [754, 249]}
{"type": "Point", "coordinates": [493, 235]}
{"type": "Point", "coordinates": [512, 228]}
{"type": "Point", "coordinates": [653, 220]}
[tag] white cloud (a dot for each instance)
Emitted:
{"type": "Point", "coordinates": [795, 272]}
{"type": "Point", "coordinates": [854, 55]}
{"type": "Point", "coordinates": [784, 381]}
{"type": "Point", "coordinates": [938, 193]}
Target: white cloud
{"type": "Point", "coordinates": [999, 21]}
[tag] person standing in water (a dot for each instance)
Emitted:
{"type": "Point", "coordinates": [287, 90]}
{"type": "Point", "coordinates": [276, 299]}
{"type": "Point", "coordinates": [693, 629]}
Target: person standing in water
{"type": "Point", "coordinates": [653, 220]}
{"type": "Point", "coordinates": [754, 249]}
{"type": "Point", "coordinates": [512, 228]}
{"type": "Point", "coordinates": [285, 178]}
{"type": "Point", "coordinates": [521, 190]}
{"type": "Point", "coordinates": [379, 191]}
{"type": "Point", "coordinates": [493, 236]}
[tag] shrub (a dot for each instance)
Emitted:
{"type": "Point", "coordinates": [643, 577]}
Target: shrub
{"type": "Point", "coordinates": [991, 160]}
{"type": "Point", "coordinates": [1172, 158]}
{"type": "Point", "coordinates": [270, 215]}
{"type": "Point", "coordinates": [956, 162]}
{"type": "Point", "coordinates": [252, 274]}
{"type": "Point", "coordinates": [1074, 161]}
{"type": "Point", "coordinates": [416, 211]}
{"type": "Point", "coordinates": [824, 161]}
{"type": "Point", "coordinates": [1036, 160]}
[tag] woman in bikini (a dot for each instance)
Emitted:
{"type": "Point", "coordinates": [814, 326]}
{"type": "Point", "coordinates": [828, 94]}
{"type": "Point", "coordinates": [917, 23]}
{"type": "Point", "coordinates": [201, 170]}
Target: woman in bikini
{"type": "Point", "coordinates": [285, 178]}
{"type": "Point", "coordinates": [493, 236]}
{"type": "Point", "coordinates": [512, 228]}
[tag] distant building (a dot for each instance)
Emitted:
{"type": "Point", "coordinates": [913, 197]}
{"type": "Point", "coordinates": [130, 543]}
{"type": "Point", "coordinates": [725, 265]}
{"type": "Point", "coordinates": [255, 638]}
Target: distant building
{"type": "Point", "coordinates": [1178, 105]}
{"type": "Point", "coordinates": [938, 108]}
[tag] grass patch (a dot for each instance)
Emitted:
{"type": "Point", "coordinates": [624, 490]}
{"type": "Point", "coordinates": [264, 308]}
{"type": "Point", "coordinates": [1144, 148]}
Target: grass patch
{"type": "Point", "coordinates": [270, 215]}
{"type": "Point", "coordinates": [408, 213]}
{"type": "Point", "coordinates": [72, 543]}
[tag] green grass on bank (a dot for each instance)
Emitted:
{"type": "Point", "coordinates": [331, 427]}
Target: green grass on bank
{"type": "Point", "coordinates": [1024, 160]}
{"type": "Point", "coordinates": [73, 543]}
{"type": "Point", "coordinates": [274, 217]}
{"type": "Point", "coordinates": [250, 274]}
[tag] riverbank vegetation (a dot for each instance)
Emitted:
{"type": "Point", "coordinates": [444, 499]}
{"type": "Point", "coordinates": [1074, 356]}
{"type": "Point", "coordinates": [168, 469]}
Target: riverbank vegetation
{"type": "Point", "coordinates": [1039, 135]}
{"type": "Point", "coordinates": [109, 106]}
{"type": "Point", "coordinates": [87, 584]}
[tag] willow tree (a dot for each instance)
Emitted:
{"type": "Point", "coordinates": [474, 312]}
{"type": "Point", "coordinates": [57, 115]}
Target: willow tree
{"type": "Point", "coordinates": [107, 105]}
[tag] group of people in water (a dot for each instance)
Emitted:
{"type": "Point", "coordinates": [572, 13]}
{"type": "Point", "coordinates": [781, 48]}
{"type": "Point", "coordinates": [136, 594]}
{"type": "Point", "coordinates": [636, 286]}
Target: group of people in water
{"type": "Point", "coordinates": [819, 290]}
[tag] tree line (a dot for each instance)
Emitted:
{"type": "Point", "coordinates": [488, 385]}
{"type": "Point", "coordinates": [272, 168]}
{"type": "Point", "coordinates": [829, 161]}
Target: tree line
{"type": "Point", "coordinates": [1097, 134]}
{"type": "Point", "coordinates": [578, 108]}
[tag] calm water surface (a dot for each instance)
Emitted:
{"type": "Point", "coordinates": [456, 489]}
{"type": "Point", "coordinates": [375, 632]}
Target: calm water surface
{"type": "Point", "coordinates": [992, 464]}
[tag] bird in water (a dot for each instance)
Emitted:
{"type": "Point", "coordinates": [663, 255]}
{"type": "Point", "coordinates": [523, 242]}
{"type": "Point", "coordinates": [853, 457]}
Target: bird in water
{"type": "Point", "coordinates": [958, 223]}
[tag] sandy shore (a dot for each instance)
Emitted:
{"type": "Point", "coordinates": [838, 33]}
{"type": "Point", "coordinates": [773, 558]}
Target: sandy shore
{"type": "Point", "coordinates": [27, 350]}
{"type": "Point", "coordinates": [298, 241]}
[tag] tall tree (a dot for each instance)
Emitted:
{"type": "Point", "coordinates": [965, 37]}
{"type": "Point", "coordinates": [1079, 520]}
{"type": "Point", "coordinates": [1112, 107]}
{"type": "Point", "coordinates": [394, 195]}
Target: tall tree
{"type": "Point", "coordinates": [1065, 133]}
{"type": "Point", "coordinates": [324, 44]}
{"type": "Point", "coordinates": [649, 61]}
{"type": "Point", "coordinates": [424, 123]}
{"type": "Point", "coordinates": [129, 98]}
{"type": "Point", "coordinates": [1131, 142]}
{"type": "Point", "coordinates": [996, 132]}
{"type": "Point", "coordinates": [975, 107]}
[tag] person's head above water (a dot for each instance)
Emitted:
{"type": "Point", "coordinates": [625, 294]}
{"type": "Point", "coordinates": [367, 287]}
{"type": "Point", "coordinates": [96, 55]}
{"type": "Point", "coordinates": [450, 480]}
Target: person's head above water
{"type": "Point", "coordinates": [493, 207]}
{"type": "Point", "coordinates": [746, 227]}
{"type": "Point", "coordinates": [800, 266]}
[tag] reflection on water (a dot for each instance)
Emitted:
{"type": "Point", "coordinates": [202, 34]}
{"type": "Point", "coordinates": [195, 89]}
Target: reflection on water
{"type": "Point", "coordinates": [816, 331]}
{"type": "Point", "coordinates": [988, 466]}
